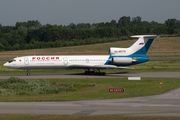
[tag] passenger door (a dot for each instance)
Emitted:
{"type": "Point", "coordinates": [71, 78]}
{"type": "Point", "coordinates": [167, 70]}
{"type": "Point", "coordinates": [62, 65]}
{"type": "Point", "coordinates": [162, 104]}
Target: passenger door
{"type": "Point", "coordinates": [26, 61]}
{"type": "Point", "coordinates": [65, 61]}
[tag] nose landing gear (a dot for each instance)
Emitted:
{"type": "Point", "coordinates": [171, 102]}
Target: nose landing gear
{"type": "Point", "coordinates": [28, 72]}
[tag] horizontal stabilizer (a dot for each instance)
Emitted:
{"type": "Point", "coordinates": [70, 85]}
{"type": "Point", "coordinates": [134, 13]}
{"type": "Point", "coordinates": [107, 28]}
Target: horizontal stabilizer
{"type": "Point", "coordinates": [151, 36]}
{"type": "Point", "coordinates": [144, 36]}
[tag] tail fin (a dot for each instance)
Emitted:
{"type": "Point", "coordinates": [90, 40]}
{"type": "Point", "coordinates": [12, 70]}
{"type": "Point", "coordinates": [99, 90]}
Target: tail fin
{"type": "Point", "coordinates": [141, 46]}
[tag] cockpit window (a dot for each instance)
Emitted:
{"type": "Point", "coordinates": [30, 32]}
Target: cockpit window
{"type": "Point", "coordinates": [12, 60]}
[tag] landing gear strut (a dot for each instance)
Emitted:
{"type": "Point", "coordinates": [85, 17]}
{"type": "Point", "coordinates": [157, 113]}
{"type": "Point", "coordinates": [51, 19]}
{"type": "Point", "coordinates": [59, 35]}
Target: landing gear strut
{"type": "Point", "coordinates": [95, 72]}
{"type": "Point", "coordinates": [28, 72]}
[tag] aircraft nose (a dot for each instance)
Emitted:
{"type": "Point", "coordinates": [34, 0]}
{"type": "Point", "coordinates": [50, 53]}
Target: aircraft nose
{"type": "Point", "coordinates": [5, 65]}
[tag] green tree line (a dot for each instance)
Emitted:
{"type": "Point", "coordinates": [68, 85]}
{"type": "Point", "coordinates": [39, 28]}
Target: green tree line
{"type": "Point", "coordinates": [32, 34]}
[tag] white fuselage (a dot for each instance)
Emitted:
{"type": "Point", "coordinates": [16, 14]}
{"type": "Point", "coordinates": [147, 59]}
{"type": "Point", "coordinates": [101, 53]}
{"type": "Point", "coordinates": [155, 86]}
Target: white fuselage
{"type": "Point", "coordinates": [118, 58]}
{"type": "Point", "coordinates": [55, 62]}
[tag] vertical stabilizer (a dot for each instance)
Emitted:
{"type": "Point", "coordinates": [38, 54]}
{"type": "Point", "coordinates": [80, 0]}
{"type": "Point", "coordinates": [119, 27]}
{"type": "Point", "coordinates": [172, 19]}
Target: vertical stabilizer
{"type": "Point", "coordinates": [141, 46]}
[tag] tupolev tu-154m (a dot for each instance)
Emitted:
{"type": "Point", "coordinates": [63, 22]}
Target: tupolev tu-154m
{"type": "Point", "coordinates": [119, 58]}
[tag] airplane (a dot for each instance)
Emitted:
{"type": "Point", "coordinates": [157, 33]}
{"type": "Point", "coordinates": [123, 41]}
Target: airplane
{"type": "Point", "coordinates": [119, 58]}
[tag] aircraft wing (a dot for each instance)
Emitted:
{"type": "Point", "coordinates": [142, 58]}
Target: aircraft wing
{"type": "Point", "coordinates": [98, 67]}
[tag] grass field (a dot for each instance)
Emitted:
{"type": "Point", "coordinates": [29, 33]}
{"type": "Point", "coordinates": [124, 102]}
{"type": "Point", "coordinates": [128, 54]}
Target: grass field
{"type": "Point", "coordinates": [144, 87]}
{"type": "Point", "coordinates": [82, 117]}
{"type": "Point", "coordinates": [161, 47]}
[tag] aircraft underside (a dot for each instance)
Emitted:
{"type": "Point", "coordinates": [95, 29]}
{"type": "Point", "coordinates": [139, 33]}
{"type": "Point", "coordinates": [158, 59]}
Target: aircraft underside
{"type": "Point", "coordinates": [87, 72]}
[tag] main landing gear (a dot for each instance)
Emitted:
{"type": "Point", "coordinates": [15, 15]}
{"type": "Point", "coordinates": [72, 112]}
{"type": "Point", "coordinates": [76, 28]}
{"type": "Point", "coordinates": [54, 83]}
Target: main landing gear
{"type": "Point", "coordinates": [28, 72]}
{"type": "Point", "coordinates": [95, 72]}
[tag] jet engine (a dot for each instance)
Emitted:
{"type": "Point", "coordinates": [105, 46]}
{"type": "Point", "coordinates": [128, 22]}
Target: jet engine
{"type": "Point", "coordinates": [123, 60]}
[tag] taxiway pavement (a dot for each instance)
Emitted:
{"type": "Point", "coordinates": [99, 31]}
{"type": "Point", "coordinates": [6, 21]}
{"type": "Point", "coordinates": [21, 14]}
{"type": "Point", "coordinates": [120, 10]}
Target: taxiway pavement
{"type": "Point", "coordinates": [167, 104]}
{"type": "Point", "coordinates": [142, 74]}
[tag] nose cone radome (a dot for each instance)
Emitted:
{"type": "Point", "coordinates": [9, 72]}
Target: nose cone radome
{"type": "Point", "coordinates": [6, 65]}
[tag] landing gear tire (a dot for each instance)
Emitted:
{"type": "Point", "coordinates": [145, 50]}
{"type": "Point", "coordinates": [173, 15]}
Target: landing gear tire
{"type": "Point", "coordinates": [92, 73]}
{"type": "Point", "coordinates": [103, 73]}
{"type": "Point", "coordinates": [28, 74]}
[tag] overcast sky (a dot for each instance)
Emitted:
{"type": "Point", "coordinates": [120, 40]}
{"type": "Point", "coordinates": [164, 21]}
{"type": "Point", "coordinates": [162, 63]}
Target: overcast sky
{"type": "Point", "coordinates": [64, 12]}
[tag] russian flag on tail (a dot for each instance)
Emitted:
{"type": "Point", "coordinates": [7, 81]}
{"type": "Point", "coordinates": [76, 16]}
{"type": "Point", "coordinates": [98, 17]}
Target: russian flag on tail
{"type": "Point", "coordinates": [141, 43]}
